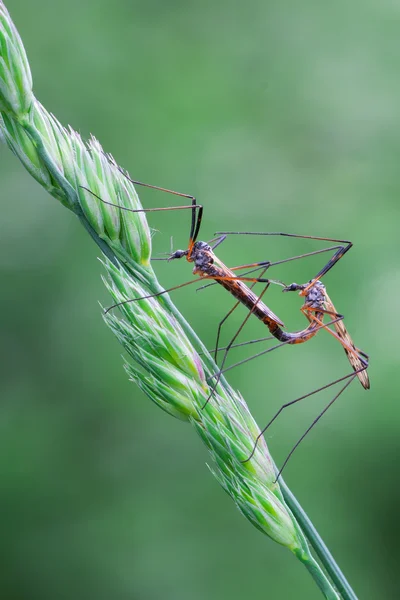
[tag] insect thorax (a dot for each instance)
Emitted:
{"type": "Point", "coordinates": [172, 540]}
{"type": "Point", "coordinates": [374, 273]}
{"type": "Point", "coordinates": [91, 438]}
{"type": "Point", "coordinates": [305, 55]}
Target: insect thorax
{"type": "Point", "coordinates": [202, 256]}
{"type": "Point", "coordinates": [315, 297]}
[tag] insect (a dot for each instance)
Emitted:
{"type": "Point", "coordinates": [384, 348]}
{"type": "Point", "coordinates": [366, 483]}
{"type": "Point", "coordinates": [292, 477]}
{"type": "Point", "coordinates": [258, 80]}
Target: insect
{"type": "Point", "coordinates": [324, 305]}
{"type": "Point", "coordinates": [355, 355]}
{"type": "Point", "coordinates": [208, 266]}
{"type": "Point", "coordinates": [317, 303]}
{"type": "Point", "coordinates": [201, 253]}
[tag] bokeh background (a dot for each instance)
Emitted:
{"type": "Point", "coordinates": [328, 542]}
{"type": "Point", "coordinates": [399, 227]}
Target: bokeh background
{"type": "Point", "coordinates": [279, 116]}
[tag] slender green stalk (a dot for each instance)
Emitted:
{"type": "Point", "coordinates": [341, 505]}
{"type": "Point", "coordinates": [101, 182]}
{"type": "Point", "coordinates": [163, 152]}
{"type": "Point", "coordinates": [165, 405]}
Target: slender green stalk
{"type": "Point", "coordinates": [166, 365]}
{"type": "Point", "coordinates": [320, 549]}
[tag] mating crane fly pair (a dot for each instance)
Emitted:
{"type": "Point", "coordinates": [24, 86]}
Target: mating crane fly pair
{"type": "Point", "coordinates": [317, 304]}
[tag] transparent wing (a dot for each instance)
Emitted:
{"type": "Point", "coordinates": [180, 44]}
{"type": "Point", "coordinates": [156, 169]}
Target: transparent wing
{"type": "Point", "coordinates": [354, 356]}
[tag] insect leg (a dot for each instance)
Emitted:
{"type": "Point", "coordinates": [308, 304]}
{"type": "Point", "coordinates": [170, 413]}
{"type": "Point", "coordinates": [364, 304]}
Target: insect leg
{"type": "Point", "coordinates": [176, 287]}
{"type": "Point", "coordinates": [353, 375]}
{"type": "Point", "coordinates": [341, 249]}
{"type": "Point", "coordinates": [221, 323]}
{"type": "Point", "coordinates": [196, 216]}
{"type": "Point", "coordinates": [196, 222]}
{"type": "Point", "coordinates": [350, 376]}
{"type": "Point", "coordinates": [272, 264]}
{"type": "Point", "coordinates": [217, 376]}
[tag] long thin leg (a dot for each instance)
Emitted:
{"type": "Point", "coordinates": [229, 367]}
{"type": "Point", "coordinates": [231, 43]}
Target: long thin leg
{"type": "Point", "coordinates": [273, 264]}
{"type": "Point", "coordinates": [214, 243]}
{"type": "Point", "coordinates": [245, 360]}
{"type": "Point", "coordinates": [341, 250]}
{"type": "Point", "coordinates": [307, 311]}
{"type": "Point", "coordinates": [321, 325]}
{"type": "Point", "coordinates": [292, 402]}
{"type": "Point", "coordinates": [228, 315]}
{"type": "Point", "coordinates": [312, 425]}
{"type": "Point", "coordinates": [220, 324]}
{"type": "Point", "coordinates": [346, 345]}
{"type": "Point", "coordinates": [218, 375]}
{"type": "Point", "coordinates": [136, 210]}
{"type": "Point", "coordinates": [248, 343]}
{"type": "Point", "coordinates": [271, 337]}
{"type": "Point", "coordinates": [230, 345]}
{"type": "Point", "coordinates": [125, 173]}
{"type": "Point", "coordinates": [176, 287]}
{"type": "Point", "coordinates": [264, 265]}
{"type": "Point", "coordinates": [351, 376]}
{"type": "Point", "coordinates": [195, 223]}
{"type": "Point", "coordinates": [285, 260]}
{"type": "Point", "coordinates": [258, 266]}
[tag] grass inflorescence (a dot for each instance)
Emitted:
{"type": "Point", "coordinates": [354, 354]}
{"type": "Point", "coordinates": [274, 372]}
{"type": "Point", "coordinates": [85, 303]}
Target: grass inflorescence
{"type": "Point", "coordinates": [165, 363]}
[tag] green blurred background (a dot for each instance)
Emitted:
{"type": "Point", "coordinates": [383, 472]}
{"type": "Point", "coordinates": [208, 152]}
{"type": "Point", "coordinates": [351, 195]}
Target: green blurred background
{"type": "Point", "coordinates": [278, 116]}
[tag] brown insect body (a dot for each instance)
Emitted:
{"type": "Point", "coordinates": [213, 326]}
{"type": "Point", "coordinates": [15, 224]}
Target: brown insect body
{"type": "Point", "coordinates": [207, 265]}
{"type": "Point", "coordinates": [316, 301]}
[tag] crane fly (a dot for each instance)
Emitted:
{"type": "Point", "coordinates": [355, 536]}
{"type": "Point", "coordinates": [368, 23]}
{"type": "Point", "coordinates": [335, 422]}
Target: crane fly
{"type": "Point", "coordinates": [208, 266]}
{"type": "Point", "coordinates": [356, 357]}
{"type": "Point", "coordinates": [316, 306]}
{"type": "Point", "coordinates": [199, 252]}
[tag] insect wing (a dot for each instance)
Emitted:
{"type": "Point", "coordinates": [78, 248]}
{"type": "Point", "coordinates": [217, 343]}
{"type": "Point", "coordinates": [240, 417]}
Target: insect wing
{"type": "Point", "coordinates": [354, 357]}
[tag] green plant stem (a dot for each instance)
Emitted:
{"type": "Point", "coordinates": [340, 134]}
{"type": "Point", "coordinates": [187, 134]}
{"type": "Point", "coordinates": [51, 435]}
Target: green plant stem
{"type": "Point", "coordinates": [308, 529]}
{"type": "Point", "coordinates": [134, 268]}
{"type": "Point", "coordinates": [64, 165]}
{"type": "Point", "coordinates": [320, 579]}
{"type": "Point", "coordinates": [318, 545]}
